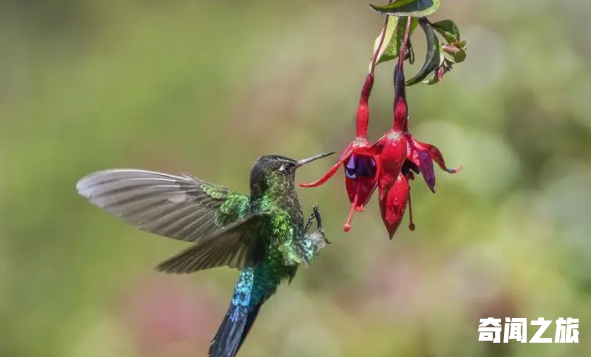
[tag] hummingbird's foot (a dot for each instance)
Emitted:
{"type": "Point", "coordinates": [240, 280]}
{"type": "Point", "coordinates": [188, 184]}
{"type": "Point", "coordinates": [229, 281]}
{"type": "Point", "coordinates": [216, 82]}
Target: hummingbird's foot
{"type": "Point", "coordinates": [310, 221]}
{"type": "Point", "coordinates": [316, 212]}
{"type": "Point", "coordinates": [320, 230]}
{"type": "Point", "coordinates": [323, 234]}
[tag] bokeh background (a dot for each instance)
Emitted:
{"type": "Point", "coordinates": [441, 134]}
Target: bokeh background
{"type": "Point", "coordinates": [208, 86]}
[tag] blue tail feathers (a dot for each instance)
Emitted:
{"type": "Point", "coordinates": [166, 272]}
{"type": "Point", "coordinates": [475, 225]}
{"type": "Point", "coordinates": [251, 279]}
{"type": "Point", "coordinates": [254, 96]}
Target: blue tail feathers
{"type": "Point", "coordinates": [239, 319]}
{"type": "Point", "coordinates": [233, 330]}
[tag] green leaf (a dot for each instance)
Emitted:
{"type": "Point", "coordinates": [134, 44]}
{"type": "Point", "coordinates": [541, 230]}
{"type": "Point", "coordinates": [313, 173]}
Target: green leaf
{"type": "Point", "coordinates": [393, 39]}
{"type": "Point", "coordinates": [458, 54]}
{"type": "Point", "coordinates": [413, 8]}
{"type": "Point", "coordinates": [434, 57]}
{"type": "Point", "coordinates": [432, 79]}
{"type": "Point", "coordinates": [448, 30]}
{"type": "Point", "coordinates": [455, 50]}
{"type": "Point", "coordinates": [385, 49]}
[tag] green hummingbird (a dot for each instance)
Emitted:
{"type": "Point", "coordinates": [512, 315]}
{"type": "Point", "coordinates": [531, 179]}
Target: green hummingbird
{"type": "Point", "coordinates": [263, 235]}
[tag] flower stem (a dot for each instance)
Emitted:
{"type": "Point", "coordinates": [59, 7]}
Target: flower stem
{"type": "Point", "coordinates": [400, 106]}
{"type": "Point", "coordinates": [362, 116]}
{"type": "Point", "coordinates": [404, 44]}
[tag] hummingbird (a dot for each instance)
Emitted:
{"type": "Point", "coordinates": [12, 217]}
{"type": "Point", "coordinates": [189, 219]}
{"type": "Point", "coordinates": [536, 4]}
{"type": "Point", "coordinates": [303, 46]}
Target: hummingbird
{"type": "Point", "coordinates": [262, 234]}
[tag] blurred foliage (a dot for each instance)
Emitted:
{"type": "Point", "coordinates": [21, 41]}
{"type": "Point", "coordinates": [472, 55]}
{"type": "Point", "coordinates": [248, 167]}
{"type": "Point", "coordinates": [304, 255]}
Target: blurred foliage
{"type": "Point", "coordinates": [206, 87]}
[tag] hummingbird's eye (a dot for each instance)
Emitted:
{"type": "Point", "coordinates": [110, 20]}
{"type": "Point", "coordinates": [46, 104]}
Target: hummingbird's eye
{"type": "Point", "coordinates": [286, 169]}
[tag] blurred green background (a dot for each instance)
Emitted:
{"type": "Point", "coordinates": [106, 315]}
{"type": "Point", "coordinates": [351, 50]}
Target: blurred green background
{"type": "Point", "coordinates": [208, 86]}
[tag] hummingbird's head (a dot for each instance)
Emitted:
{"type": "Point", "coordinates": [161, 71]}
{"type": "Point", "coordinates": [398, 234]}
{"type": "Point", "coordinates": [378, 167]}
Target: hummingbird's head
{"type": "Point", "coordinates": [275, 171]}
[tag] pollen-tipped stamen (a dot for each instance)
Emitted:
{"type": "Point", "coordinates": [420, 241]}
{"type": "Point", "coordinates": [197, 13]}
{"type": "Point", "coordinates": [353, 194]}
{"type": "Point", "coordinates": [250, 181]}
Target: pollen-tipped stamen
{"type": "Point", "coordinates": [411, 224]}
{"type": "Point", "coordinates": [347, 226]}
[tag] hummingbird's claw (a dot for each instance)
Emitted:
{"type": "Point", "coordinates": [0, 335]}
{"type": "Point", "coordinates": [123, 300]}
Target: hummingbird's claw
{"type": "Point", "coordinates": [315, 215]}
{"type": "Point", "coordinates": [319, 234]}
{"type": "Point", "coordinates": [316, 211]}
{"type": "Point", "coordinates": [321, 231]}
{"type": "Point", "coordinates": [309, 223]}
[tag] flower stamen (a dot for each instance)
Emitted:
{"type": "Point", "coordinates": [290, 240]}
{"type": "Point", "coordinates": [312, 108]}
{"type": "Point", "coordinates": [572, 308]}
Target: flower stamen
{"type": "Point", "coordinates": [347, 226]}
{"type": "Point", "coordinates": [411, 224]}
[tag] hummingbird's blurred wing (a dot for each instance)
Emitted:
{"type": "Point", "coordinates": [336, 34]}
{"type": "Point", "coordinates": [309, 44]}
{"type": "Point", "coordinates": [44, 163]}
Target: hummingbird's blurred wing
{"type": "Point", "coordinates": [178, 207]}
{"type": "Point", "coordinates": [237, 245]}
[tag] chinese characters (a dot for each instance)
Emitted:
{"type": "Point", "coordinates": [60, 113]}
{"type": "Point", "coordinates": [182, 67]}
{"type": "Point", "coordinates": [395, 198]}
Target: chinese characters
{"type": "Point", "coordinates": [567, 331]}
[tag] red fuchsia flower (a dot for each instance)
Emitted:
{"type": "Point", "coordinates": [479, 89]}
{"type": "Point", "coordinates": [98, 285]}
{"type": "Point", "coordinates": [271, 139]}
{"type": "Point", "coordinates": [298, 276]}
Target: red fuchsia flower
{"type": "Point", "coordinates": [388, 164]}
{"type": "Point", "coordinates": [393, 181]}
{"type": "Point", "coordinates": [395, 190]}
{"type": "Point", "coordinates": [368, 166]}
{"type": "Point", "coordinates": [360, 159]}
{"type": "Point", "coordinates": [379, 165]}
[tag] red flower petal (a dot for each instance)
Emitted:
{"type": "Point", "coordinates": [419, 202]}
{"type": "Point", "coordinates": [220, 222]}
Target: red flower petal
{"type": "Point", "coordinates": [423, 161]}
{"type": "Point", "coordinates": [423, 155]}
{"type": "Point", "coordinates": [393, 153]}
{"type": "Point", "coordinates": [436, 155]}
{"type": "Point", "coordinates": [394, 196]}
{"type": "Point", "coordinates": [360, 179]}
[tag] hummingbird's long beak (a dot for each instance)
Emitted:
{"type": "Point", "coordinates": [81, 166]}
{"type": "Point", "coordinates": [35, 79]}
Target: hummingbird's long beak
{"type": "Point", "coordinates": [310, 159]}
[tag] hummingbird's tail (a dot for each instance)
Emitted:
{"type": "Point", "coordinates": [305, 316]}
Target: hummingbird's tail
{"type": "Point", "coordinates": [233, 331]}
{"type": "Point", "coordinates": [238, 320]}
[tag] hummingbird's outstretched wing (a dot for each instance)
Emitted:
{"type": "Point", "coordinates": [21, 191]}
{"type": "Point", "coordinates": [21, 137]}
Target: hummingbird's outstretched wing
{"type": "Point", "coordinates": [178, 207]}
{"type": "Point", "coordinates": [237, 245]}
